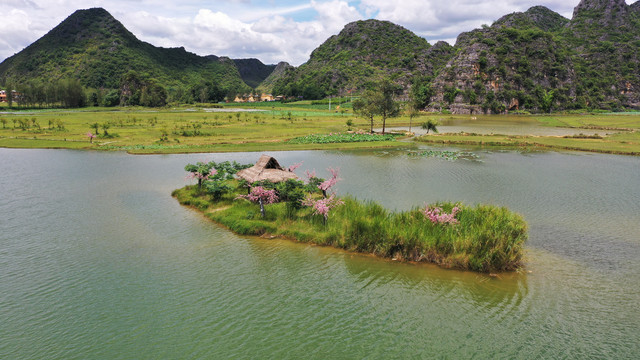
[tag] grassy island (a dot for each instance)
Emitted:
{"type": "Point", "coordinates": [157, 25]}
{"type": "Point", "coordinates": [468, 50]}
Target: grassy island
{"type": "Point", "coordinates": [482, 238]}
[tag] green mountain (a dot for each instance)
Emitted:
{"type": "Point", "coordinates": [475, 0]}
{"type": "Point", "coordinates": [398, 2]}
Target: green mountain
{"type": "Point", "coordinates": [253, 71]}
{"type": "Point", "coordinates": [509, 66]}
{"type": "Point", "coordinates": [95, 48]}
{"type": "Point", "coordinates": [266, 86]}
{"type": "Point", "coordinates": [535, 60]}
{"type": "Point", "coordinates": [540, 61]}
{"type": "Point", "coordinates": [363, 51]}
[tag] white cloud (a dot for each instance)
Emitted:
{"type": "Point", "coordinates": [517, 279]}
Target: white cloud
{"type": "Point", "coordinates": [272, 38]}
{"type": "Point", "coordinates": [16, 29]}
{"type": "Point", "coordinates": [439, 20]}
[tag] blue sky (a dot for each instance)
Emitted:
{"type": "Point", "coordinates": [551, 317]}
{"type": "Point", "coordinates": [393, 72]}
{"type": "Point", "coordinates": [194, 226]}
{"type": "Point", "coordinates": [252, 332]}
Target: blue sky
{"type": "Point", "coordinates": [269, 30]}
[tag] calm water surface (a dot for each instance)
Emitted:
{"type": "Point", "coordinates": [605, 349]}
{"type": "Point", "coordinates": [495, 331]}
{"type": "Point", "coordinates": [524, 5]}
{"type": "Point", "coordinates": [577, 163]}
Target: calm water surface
{"type": "Point", "coordinates": [98, 261]}
{"type": "Point", "coordinates": [498, 125]}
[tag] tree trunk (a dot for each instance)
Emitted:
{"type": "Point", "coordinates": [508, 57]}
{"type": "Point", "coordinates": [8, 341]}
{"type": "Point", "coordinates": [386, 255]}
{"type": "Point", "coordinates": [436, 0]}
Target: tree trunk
{"type": "Point", "coordinates": [261, 207]}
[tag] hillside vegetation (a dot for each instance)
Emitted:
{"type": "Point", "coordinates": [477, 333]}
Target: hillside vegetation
{"type": "Point", "coordinates": [536, 61]}
{"type": "Point", "coordinates": [93, 47]}
{"type": "Point", "coordinates": [361, 52]}
{"type": "Point", "coordinates": [539, 61]}
{"type": "Point", "coordinates": [533, 61]}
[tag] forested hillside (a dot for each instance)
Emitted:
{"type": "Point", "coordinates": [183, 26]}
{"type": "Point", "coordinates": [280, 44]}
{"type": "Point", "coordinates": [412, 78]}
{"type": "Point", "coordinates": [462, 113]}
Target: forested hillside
{"type": "Point", "coordinates": [363, 51]}
{"type": "Point", "coordinates": [96, 49]}
{"type": "Point", "coordinates": [535, 61]}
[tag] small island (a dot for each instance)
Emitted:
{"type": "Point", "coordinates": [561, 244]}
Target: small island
{"type": "Point", "coordinates": [268, 200]}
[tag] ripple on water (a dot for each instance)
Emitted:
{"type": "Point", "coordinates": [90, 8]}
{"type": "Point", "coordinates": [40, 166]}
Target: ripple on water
{"type": "Point", "coordinates": [108, 264]}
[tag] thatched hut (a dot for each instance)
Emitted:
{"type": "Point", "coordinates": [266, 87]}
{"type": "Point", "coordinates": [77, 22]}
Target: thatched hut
{"type": "Point", "coordinates": [267, 168]}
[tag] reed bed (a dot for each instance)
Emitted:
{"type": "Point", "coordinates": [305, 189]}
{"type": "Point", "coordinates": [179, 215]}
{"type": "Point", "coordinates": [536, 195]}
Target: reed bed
{"type": "Point", "coordinates": [485, 238]}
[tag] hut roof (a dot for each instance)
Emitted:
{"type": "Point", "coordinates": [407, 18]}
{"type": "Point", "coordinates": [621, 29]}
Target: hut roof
{"type": "Point", "coordinates": [267, 168]}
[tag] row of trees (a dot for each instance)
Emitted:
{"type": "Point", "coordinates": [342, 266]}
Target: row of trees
{"type": "Point", "coordinates": [67, 93]}
{"type": "Point", "coordinates": [379, 101]}
{"type": "Point", "coordinates": [134, 90]}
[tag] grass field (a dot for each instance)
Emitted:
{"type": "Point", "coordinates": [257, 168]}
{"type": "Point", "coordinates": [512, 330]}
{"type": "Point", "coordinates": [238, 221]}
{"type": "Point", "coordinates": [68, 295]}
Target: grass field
{"type": "Point", "coordinates": [270, 126]}
{"type": "Point", "coordinates": [184, 129]}
{"type": "Point", "coordinates": [620, 134]}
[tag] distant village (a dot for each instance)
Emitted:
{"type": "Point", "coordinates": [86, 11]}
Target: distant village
{"type": "Point", "coordinates": [246, 98]}
{"type": "Point", "coordinates": [15, 96]}
{"type": "Point", "coordinates": [257, 98]}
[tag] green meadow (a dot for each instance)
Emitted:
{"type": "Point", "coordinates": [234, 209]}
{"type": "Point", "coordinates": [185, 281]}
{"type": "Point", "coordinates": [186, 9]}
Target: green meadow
{"type": "Point", "coordinates": [276, 126]}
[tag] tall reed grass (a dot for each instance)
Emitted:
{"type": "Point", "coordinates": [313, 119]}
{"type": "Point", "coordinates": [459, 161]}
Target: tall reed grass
{"type": "Point", "coordinates": [485, 239]}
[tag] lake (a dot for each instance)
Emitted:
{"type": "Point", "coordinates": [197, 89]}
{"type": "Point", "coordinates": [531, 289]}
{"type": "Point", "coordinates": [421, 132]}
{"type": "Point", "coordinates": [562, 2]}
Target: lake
{"type": "Point", "coordinates": [488, 125]}
{"type": "Point", "coordinates": [98, 261]}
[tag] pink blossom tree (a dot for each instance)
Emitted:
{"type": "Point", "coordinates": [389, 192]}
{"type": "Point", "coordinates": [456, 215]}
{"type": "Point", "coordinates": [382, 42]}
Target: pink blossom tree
{"type": "Point", "coordinates": [322, 206]}
{"type": "Point", "coordinates": [261, 196]}
{"type": "Point", "coordinates": [201, 171]}
{"type": "Point", "coordinates": [329, 183]}
{"type": "Point", "coordinates": [437, 216]}
{"type": "Point", "coordinates": [293, 167]}
{"type": "Point", "coordinates": [90, 136]}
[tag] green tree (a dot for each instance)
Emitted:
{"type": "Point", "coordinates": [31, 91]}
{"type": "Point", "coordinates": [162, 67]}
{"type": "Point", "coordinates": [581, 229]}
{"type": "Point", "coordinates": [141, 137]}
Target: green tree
{"type": "Point", "coordinates": [364, 108]}
{"type": "Point", "coordinates": [10, 95]}
{"type": "Point", "coordinates": [95, 127]}
{"type": "Point", "coordinates": [93, 99]}
{"type": "Point", "coordinates": [130, 89]}
{"type": "Point", "coordinates": [72, 93]}
{"type": "Point", "coordinates": [153, 95]}
{"type": "Point", "coordinates": [421, 92]}
{"type": "Point", "coordinates": [384, 101]}
{"type": "Point", "coordinates": [547, 100]}
{"type": "Point", "coordinates": [430, 125]}
{"type": "Point", "coordinates": [111, 99]}
{"type": "Point", "coordinates": [450, 94]}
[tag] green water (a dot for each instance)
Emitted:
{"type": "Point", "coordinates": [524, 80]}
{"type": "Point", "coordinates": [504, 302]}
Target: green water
{"type": "Point", "coordinates": [97, 261]}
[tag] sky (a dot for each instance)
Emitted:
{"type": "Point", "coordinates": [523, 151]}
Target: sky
{"type": "Point", "coordinates": [269, 30]}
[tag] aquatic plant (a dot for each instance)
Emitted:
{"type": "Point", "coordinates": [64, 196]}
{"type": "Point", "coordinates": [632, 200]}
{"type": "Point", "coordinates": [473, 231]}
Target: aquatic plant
{"type": "Point", "coordinates": [341, 138]}
{"type": "Point", "coordinates": [446, 154]}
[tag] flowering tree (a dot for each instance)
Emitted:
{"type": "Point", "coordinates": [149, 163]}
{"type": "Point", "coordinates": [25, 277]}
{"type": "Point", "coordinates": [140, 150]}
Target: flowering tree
{"type": "Point", "coordinates": [214, 175]}
{"type": "Point", "coordinates": [293, 167]}
{"type": "Point", "coordinates": [261, 196]}
{"type": "Point", "coordinates": [327, 184]}
{"type": "Point", "coordinates": [437, 216]}
{"type": "Point", "coordinates": [90, 136]}
{"type": "Point", "coordinates": [201, 171]}
{"type": "Point", "coordinates": [322, 206]}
